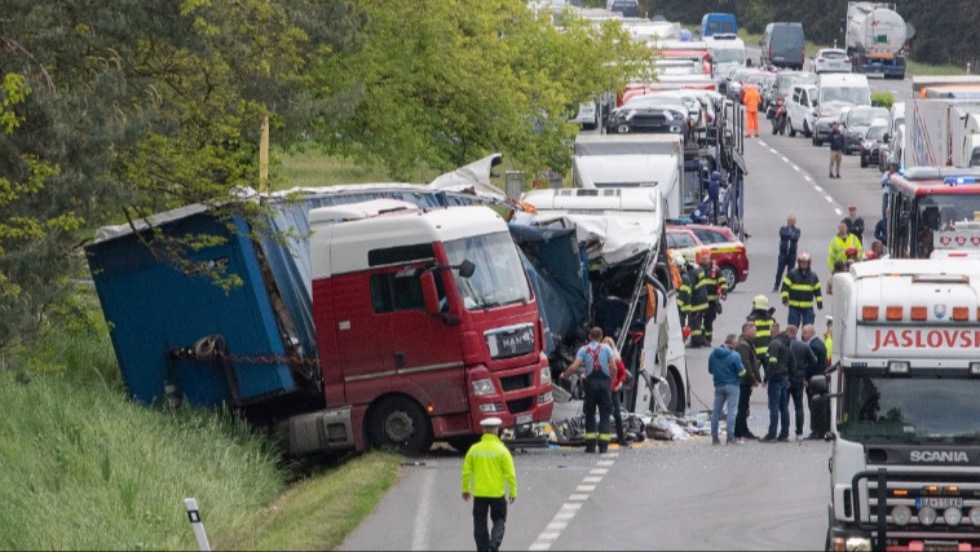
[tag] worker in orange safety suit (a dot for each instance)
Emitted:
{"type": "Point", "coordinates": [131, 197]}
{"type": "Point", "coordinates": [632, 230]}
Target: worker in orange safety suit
{"type": "Point", "coordinates": [751, 99]}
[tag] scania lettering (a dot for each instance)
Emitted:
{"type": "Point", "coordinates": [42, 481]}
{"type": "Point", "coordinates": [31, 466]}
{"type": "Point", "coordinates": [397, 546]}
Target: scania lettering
{"type": "Point", "coordinates": [391, 326]}
{"type": "Point", "coordinates": [905, 376]}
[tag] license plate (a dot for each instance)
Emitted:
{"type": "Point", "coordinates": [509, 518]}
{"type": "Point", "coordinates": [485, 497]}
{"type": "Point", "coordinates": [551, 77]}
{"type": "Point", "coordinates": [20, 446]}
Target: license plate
{"type": "Point", "coordinates": [524, 419]}
{"type": "Point", "coordinates": [939, 502]}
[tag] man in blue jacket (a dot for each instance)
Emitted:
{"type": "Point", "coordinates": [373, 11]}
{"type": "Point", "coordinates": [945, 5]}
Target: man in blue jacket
{"type": "Point", "coordinates": [725, 366]}
{"type": "Point", "coordinates": [789, 236]}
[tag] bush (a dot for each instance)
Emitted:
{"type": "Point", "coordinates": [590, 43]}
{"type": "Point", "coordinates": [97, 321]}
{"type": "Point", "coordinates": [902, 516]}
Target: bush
{"type": "Point", "coordinates": [882, 99]}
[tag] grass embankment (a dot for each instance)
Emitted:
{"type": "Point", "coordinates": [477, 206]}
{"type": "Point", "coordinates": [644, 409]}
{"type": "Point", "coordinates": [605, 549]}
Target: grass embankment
{"type": "Point", "coordinates": [84, 468]}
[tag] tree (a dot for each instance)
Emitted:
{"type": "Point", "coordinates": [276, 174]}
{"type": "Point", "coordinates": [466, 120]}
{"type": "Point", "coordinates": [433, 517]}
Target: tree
{"type": "Point", "coordinates": [448, 81]}
{"type": "Point", "coordinates": [126, 107]}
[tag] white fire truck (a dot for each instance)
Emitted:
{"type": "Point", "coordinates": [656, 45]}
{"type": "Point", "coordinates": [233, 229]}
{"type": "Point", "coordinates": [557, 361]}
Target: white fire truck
{"type": "Point", "coordinates": [905, 466]}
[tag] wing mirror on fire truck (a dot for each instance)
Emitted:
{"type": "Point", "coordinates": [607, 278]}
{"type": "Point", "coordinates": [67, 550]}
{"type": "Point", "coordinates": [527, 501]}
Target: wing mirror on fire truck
{"type": "Point", "coordinates": [465, 268]}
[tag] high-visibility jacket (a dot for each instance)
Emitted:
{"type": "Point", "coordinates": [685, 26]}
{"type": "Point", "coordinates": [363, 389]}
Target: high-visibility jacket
{"type": "Point", "coordinates": [751, 99]}
{"type": "Point", "coordinates": [488, 467]}
{"type": "Point", "coordinates": [716, 283]}
{"type": "Point", "coordinates": [837, 251]}
{"type": "Point", "coordinates": [801, 289]}
{"type": "Point", "coordinates": [828, 341]}
{"type": "Point", "coordinates": [684, 293]}
{"type": "Point", "coordinates": [699, 290]}
{"type": "Point", "coordinates": [763, 335]}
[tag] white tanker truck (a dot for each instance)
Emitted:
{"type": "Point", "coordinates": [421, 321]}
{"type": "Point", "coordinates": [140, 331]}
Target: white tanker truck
{"type": "Point", "coordinates": [875, 38]}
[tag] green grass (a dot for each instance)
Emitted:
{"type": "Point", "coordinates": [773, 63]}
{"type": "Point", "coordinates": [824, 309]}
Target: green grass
{"type": "Point", "coordinates": [313, 168]}
{"type": "Point", "coordinates": [84, 468]}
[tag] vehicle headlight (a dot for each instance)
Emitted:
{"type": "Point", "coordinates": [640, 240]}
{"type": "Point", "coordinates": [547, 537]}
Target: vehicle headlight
{"type": "Point", "coordinates": [545, 374]}
{"type": "Point", "coordinates": [483, 387]}
{"type": "Point", "coordinates": [858, 544]}
{"type": "Point", "coordinates": [975, 516]}
{"type": "Point", "coordinates": [953, 516]}
{"type": "Point", "coordinates": [927, 515]}
{"type": "Point", "coordinates": [901, 514]}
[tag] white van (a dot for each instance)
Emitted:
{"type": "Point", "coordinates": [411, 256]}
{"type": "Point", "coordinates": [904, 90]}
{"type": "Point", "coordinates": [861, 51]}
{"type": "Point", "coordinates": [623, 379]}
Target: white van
{"type": "Point", "coordinates": [836, 94]}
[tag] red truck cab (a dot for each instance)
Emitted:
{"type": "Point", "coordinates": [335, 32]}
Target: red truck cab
{"type": "Point", "coordinates": [426, 323]}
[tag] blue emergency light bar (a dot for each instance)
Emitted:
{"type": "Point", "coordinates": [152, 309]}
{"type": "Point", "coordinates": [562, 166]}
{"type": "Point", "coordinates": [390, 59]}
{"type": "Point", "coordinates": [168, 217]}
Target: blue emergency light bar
{"type": "Point", "coordinates": [959, 180]}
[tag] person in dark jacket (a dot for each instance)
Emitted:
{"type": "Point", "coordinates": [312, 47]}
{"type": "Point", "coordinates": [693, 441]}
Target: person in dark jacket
{"type": "Point", "coordinates": [854, 222]}
{"type": "Point", "coordinates": [752, 378]}
{"type": "Point", "coordinates": [881, 230]}
{"type": "Point", "coordinates": [778, 367]}
{"type": "Point", "coordinates": [819, 409]}
{"type": "Point", "coordinates": [838, 143]}
{"type": "Point", "coordinates": [789, 236]}
{"type": "Point", "coordinates": [805, 361]}
{"type": "Point", "coordinates": [801, 287]}
{"type": "Point", "coordinates": [726, 370]}
{"type": "Point", "coordinates": [762, 316]}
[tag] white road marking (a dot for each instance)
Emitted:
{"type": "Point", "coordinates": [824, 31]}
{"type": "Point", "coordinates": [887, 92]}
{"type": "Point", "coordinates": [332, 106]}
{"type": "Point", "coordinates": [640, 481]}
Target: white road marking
{"type": "Point", "coordinates": [774, 151]}
{"type": "Point", "coordinates": [838, 211]}
{"type": "Point", "coordinates": [557, 525]}
{"type": "Point", "coordinates": [795, 168]}
{"type": "Point", "coordinates": [612, 455]}
{"type": "Point", "coordinates": [568, 510]}
{"type": "Point", "coordinates": [420, 537]}
{"type": "Point", "coordinates": [785, 159]}
{"type": "Point", "coordinates": [807, 178]}
{"type": "Point", "coordinates": [762, 143]}
{"type": "Point", "coordinates": [829, 199]}
{"type": "Point", "coordinates": [817, 188]}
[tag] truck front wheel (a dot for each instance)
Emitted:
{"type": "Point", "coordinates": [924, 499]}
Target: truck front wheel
{"type": "Point", "coordinates": [399, 424]}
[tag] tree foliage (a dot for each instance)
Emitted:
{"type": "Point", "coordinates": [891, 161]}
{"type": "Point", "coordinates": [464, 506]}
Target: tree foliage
{"type": "Point", "coordinates": [115, 109]}
{"type": "Point", "coordinates": [447, 81]}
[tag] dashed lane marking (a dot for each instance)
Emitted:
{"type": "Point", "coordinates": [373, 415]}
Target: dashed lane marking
{"type": "Point", "coordinates": [817, 188]}
{"type": "Point", "coordinates": [574, 503]}
{"type": "Point", "coordinates": [785, 159]}
{"type": "Point", "coordinates": [838, 211]}
{"type": "Point", "coordinates": [807, 178]}
{"type": "Point", "coordinates": [829, 199]}
{"type": "Point", "coordinates": [795, 168]}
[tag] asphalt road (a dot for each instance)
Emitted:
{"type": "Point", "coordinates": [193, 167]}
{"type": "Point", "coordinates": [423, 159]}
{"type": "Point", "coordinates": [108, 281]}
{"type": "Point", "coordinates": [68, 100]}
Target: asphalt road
{"type": "Point", "coordinates": [668, 495]}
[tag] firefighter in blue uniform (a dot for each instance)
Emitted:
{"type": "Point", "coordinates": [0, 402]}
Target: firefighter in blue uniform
{"type": "Point", "coordinates": [600, 371]}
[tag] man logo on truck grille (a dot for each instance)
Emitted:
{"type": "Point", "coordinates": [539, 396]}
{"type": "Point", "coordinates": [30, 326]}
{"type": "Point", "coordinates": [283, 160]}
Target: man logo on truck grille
{"type": "Point", "coordinates": [939, 311]}
{"type": "Point", "coordinates": [944, 456]}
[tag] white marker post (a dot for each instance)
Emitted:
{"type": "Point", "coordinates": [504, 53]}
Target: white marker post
{"type": "Point", "coordinates": [195, 518]}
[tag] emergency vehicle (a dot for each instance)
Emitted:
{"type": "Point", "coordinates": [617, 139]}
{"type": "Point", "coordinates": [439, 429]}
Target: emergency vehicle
{"type": "Point", "coordinates": [933, 208]}
{"type": "Point", "coordinates": [905, 464]}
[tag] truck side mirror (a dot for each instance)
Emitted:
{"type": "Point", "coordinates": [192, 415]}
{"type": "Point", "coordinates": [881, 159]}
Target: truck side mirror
{"type": "Point", "coordinates": [430, 296]}
{"type": "Point", "coordinates": [886, 138]}
{"type": "Point", "coordinates": [466, 268]}
{"type": "Point", "coordinates": [748, 63]}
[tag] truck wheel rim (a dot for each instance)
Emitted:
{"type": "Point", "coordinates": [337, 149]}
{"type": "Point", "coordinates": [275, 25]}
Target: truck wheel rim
{"type": "Point", "coordinates": [399, 427]}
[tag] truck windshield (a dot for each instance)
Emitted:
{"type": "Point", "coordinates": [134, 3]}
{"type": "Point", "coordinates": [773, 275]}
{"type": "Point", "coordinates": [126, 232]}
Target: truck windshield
{"type": "Point", "coordinates": [878, 410]}
{"type": "Point", "coordinates": [499, 276]}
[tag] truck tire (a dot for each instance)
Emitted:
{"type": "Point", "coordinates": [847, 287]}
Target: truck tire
{"type": "Point", "coordinates": [398, 424]}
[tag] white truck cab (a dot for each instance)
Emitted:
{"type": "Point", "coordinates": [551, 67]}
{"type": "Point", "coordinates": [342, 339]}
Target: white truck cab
{"type": "Point", "coordinates": [905, 464]}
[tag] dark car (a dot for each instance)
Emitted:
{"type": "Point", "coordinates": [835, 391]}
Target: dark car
{"type": "Point", "coordinates": [871, 145]}
{"type": "Point", "coordinates": [856, 122]}
{"type": "Point", "coordinates": [654, 113]}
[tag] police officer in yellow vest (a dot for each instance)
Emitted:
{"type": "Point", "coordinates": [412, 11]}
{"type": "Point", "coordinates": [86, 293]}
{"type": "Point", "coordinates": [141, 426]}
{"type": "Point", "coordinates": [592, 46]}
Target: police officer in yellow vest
{"type": "Point", "coordinates": [600, 371]}
{"type": "Point", "coordinates": [839, 244]}
{"type": "Point", "coordinates": [488, 467]}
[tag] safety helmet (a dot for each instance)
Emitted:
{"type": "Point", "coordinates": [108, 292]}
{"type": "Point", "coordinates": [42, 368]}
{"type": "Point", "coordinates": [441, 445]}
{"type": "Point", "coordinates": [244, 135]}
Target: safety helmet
{"type": "Point", "coordinates": [689, 255]}
{"type": "Point", "coordinates": [679, 259]}
{"type": "Point", "coordinates": [760, 302]}
{"type": "Point", "coordinates": [803, 258]}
